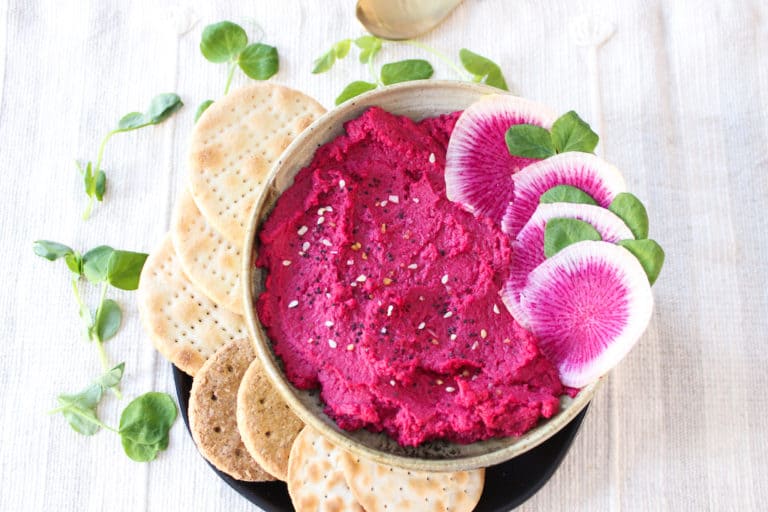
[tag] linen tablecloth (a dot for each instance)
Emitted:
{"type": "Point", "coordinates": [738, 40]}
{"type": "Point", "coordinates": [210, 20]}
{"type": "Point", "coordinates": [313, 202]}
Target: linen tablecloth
{"type": "Point", "coordinates": [683, 88]}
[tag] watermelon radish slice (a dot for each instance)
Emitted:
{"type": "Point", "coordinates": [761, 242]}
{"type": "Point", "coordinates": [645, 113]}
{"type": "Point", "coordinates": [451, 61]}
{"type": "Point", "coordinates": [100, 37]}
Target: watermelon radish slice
{"type": "Point", "coordinates": [585, 171]}
{"type": "Point", "coordinates": [528, 247]}
{"type": "Point", "coordinates": [478, 166]}
{"type": "Point", "coordinates": [588, 305]}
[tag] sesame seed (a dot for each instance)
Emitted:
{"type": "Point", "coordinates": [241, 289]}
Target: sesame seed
{"type": "Point", "coordinates": [320, 211]}
{"type": "Point", "coordinates": [507, 341]}
{"type": "Point", "coordinates": [332, 343]}
{"type": "Point", "coordinates": [383, 330]}
{"type": "Point", "coordinates": [496, 309]}
{"type": "Point", "coordinates": [450, 389]}
{"type": "Point", "coordinates": [448, 314]}
{"type": "Point", "coordinates": [387, 281]}
{"type": "Point", "coordinates": [286, 263]}
{"type": "Point", "coordinates": [383, 203]}
{"type": "Point", "coordinates": [351, 347]}
{"type": "Point", "coordinates": [431, 158]}
{"type": "Point", "coordinates": [391, 382]}
{"type": "Point", "coordinates": [310, 340]}
{"type": "Point", "coordinates": [320, 220]}
{"type": "Point", "coordinates": [328, 295]}
{"type": "Point", "coordinates": [302, 230]}
{"type": "Point", "coordinates": [444, 279]}
{"type": "Point", "coordinates": [413, 266]}
{"type": "Point", "coordinates": [394, 199]}
{"type": "Point", "coordinates": [361, 278]}
{"type": "Point", "coordinates": [329, 208]}
{"type": "Point", "coordinates": [350, 262]}
{"type": "Point", "coordinates": [329, 323]}
{"type": "Point", "coordinates": [453, 337]}
{"type": "Point", "coordinates": [326, 242]}
{"type": "Point", "coordinates": [353, 284]}
{"type": "Point", "coordinates": [421, 298]}
{"type": "Point", "coordinates": [422, 325]}
{"type": "Point", "coordinates": [389, 310]}
{"type": "Point", "coordinates": [383, 228]}
{"type": "Point", "coordinates": [342, 183]}
{"type": "Point", "coordinates": [364, 256]}
{"type": "Point", "coordinates": [434, 341]}
{"type": "Point", "coordinates": [356, 246]}
{"type": "Point", "coordinates": [293, 304]}
{"type": "Point", "coordinates": [305, 246]}
{"type": "Point", "coordinates": [415, 200]}
{"type": "Point", "coordinates": [474, 346]}
{"type": "Point", "coordinates": [439, 382]}
{"type": "Point", "coordinates": [483, 333]}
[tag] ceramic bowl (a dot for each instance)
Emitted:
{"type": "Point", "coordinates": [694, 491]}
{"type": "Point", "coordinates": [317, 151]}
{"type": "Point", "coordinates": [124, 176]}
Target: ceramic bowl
{"type": "Point", "coordinates": [416, 100]}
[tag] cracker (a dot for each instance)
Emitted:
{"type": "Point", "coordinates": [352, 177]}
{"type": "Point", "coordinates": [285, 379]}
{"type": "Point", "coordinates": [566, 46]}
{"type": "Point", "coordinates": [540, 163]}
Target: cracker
{"type": "Point", "coordinates": [212, 404]}
{"type": "Point", "coordinates": [185, 326]}
{"type": "Point", "coordinates": [380, 488]}
{"type": "Point", "coordinates": [266, 423]}
{"type": "Point", "coordinates": [235, 143]}
{"type": "Point", "coordinates": [315, 479]}
{"type": "Point", "coordinates": [210, 261]}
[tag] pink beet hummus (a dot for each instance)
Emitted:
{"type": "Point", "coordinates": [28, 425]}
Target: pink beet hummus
{"type": "Point", "coordinates": [384, 294]}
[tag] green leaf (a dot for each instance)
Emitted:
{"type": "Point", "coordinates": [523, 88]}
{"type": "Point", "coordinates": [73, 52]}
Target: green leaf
{"type": "Point", "coordinates": [259, 61]}
{"type": "Point", "coordinates": [341, 49]}
{"type": "Point", "coordinates": [369, 47]}
{"type": "Point", "coordinates": [405, 71]}
{"type": "Point", "coordinates": [131, 121]}
{"type": "Point", "coordinates": [529, 141]}
{"type": "Point", "coordinates": [202, 108]}
{"type": "Point", "coordinates": [571, 133]}
{"type": "Point", "coordinates": [324, 63]}
{"type": "Point", "coordinates": [75, 262]}
{"type": "Point", "coordinates": [88, 180]}
{"type": "Point", "coordinates": [649, 253]}
{"type": "Point", "coordinates": [96, 263]}
{"type": "Point", "coordinates": [562, 232]}
{"type": "Point", "coordinates": [80, 409]}
{"type": "Point", "coordinates": [354, 89]}
{"type": "Point", "coordinates": [162, 107]}
{"type": "Point", "coordinates": [51, 250]}
{"type": "Point", "coordinates": [108, 321]}
{"type": "Point", "coordinates": [629, 208]}
{"type": "Point", "coordinates": [144, 425]}
{"type": "Point", "coordinates": [223, 41]}
{"type": "Point", "coordinates": [124, 269]}
{"type": "Point", "coordinates": [99, 185]}
{"type": "Point", "coordinates": [566, 194]}
{"type": "Point", "coordinates": [111, 377]}
{"type": "Point", "coordinates": [143, 452]}
{"type": "Point", "coordinates": [488, 71]}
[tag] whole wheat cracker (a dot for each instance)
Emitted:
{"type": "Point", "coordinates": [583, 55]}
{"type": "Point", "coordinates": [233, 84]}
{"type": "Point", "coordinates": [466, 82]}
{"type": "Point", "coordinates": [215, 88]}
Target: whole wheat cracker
{"type": "Point", "coordinates": [266, 423]}
{"type": "Point", "coordinates": [210, 261]}
{"type": "Point", "coordinates": [185, 326]}
{"type": "Point", "coordinates": [235, 143]}
{"type": "Point", "coordinates": [315, 479]}
{"type": "Point", "coordinates": [380, 488]}
{"type": "Point", "coordinates": [212, 404]}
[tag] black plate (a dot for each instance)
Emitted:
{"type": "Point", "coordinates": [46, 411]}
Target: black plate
{"type": "Point", "coordinates": [507, 485]}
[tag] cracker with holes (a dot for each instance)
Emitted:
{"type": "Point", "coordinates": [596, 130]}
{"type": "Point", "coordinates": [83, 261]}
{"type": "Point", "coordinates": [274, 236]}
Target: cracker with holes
{"type": "Point", "coordinates": [266, 423]}
{"type": "Point", "coordinates": [210, 261]}
{"type": "Point", "coordinates": [185, 326]}
{"type": "Point", "coordinates": [315, 479]}
{"type": "Point", "coordinates": [212, 403]}
{"type": "Point", "coordinates": [234, 145]}
{"type": "Point", "coordinates": [380, 488]}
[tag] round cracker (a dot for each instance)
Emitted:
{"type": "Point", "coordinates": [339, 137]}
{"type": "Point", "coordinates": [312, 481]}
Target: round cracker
{"type": "Point", "coordinates": [315, 479]}
{"type": "Point", "coordinates": [266, 423]}
{"type": "Point", "coordinates": [212, 404]}
{"type": "Point", "coordinates": [185, 326]}
{"type": "Point", "coordinates": [210, 261]}
{"type": "Point", "coordinates": [234, 145]}
{"type": "Point", "coordinates": [380, 488]}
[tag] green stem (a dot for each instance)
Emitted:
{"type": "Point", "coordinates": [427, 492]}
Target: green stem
{"type": "Point", "coordinates": [85, 313]}
{"type": "Point", "coordinates": [463, 74]}
{"type": "Point", "coordinates": [102, 147]}
{"type": "Point", "coordinates": [373, 72]}
{"type": "Point", "coordinates": [90, 419]}
{"type": "Point", "coordinates": [231, 73]}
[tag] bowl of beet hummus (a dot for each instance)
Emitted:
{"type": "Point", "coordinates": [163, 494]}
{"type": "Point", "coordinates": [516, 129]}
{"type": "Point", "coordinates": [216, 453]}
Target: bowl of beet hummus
{"type": "Point", "coordinates": [373, 301]}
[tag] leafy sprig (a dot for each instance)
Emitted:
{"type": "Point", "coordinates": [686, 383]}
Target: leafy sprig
{"type": "Point", "coordinates": [227, 42]}
{"type": "Point", "coordinates": [569, 133]}
{"type": "Point", "coordinates": [160, 108]}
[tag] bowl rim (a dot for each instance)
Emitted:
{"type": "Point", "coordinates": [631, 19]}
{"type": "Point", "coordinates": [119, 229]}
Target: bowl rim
{"type": "Point", "coordinates": [260, 341]}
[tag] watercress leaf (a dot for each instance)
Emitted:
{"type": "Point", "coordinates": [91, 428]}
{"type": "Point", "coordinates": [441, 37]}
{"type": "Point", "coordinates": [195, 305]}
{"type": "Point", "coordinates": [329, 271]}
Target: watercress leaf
{"type": "Point", "coordinates": [124, 269]}
{"type": "Point", "coordinates": [572, 133]}
{"type": "Point", "coordinates": [80, 409]}
{"type": "Point", "coordinates": [162, 107]}
{"type": "Point", "coordinates": [223, 41]}
{"type": "Point", "coordinates": [202, 108]}
{"type": "Point", "coordinates": [148, 418]}
{"type": "Point", "coordinates": [96, 263]}
{"type": "Point", "coordinates": [99, 185]}
{"type": "Point", "coordinates": [632, 211]}
{"type": "Point", "coordinates": [566, 194]}
{"type": "Point", "coordinates": [488, 71]}
{"type": "Point", "coordinates": [111, 377]}
{"type": "Point", "coordinates": [529, 141]}
{"type": "Point", "coordinates": [354, 89]}
{"type": "Point", "coordinates": [131, 121]}
{"type": "Point", "coordinates": [561, 232]}
{"type": "Point", "coordinates": [108, 321]}
{"type": "Point", "coordinates": [341, 49]}
{"type": "Point", "coordinates": [650, 255]}
{"type": "Point", "coordinates": [405, 71]}
{"type": "Point", "coordinates": [51, 250]}
{"type": "Point", "coordinates": [75, 262]}
{"type": "Point", "coordinates": [259, 61]}
{"type": "Point", "coordinates": [369, 47]}
{"type": "Point", "coordinates": [324, 62]}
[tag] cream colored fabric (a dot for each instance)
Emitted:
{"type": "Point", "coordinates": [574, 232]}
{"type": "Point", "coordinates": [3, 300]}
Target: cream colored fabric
{"type": "Point", "coordinates": [680, 425]}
